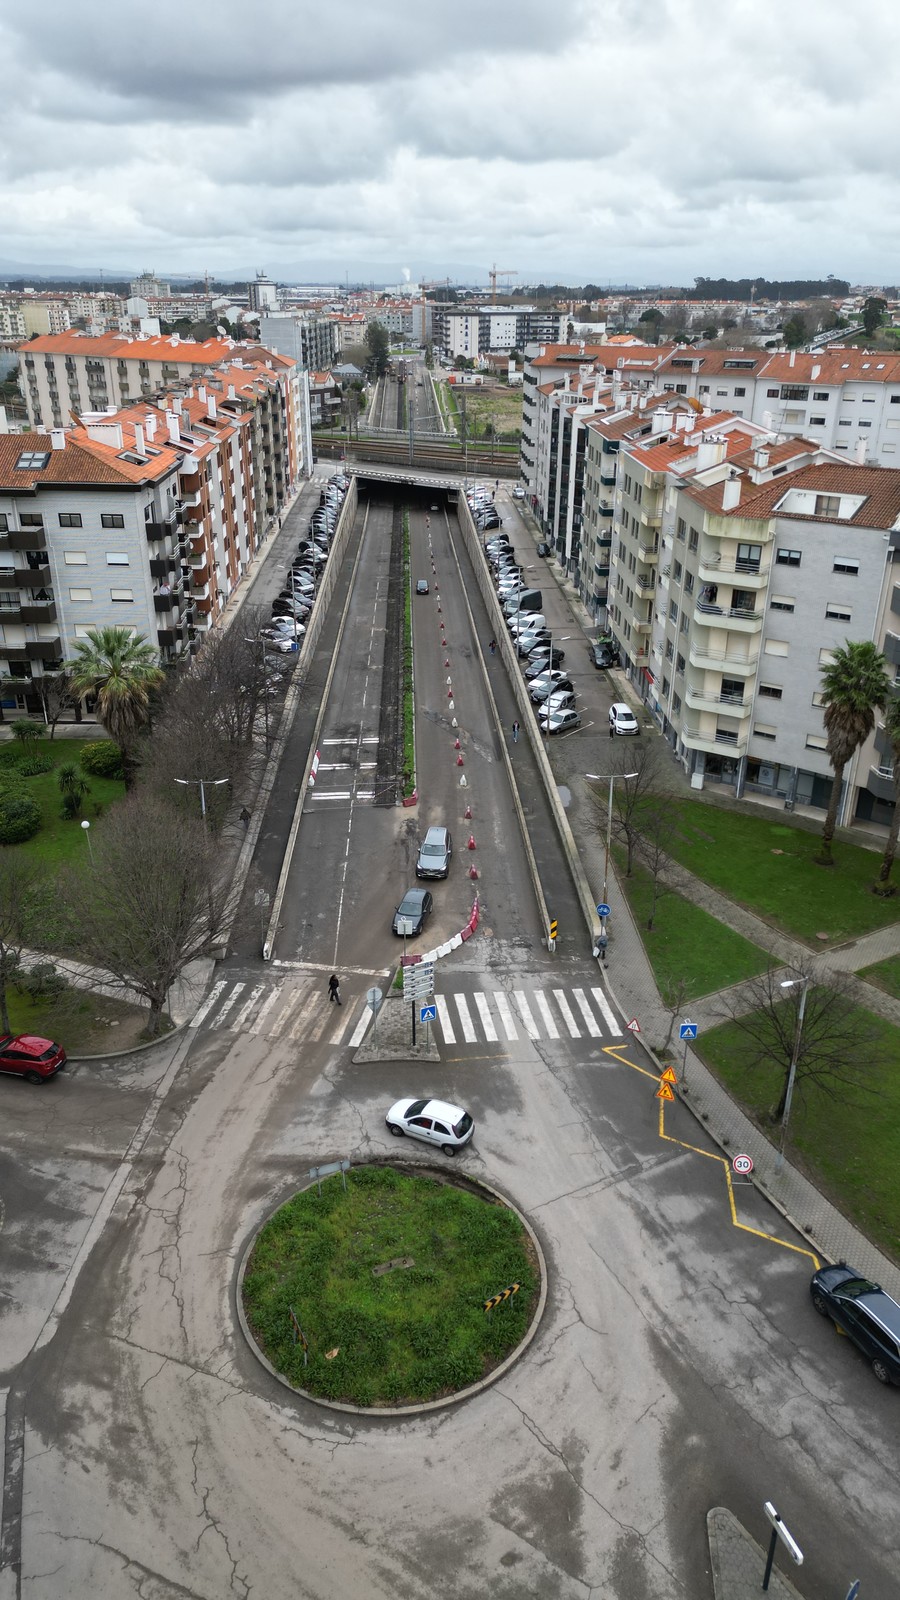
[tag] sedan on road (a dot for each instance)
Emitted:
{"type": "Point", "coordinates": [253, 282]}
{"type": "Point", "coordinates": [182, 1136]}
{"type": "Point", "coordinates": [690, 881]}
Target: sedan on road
{"type": "Point", "coordinates": [558, 721]}
{"type": "Point", "coordinates": [26, 1055]}
{"type": "Point", "coordinates": [865, 1312]}
{"type": "Point", "coordinates": [421, 586]}
{"type": "Point", "coordinates": [412, 913]}
{"type": "Point", "coordinates": [433, 1121]}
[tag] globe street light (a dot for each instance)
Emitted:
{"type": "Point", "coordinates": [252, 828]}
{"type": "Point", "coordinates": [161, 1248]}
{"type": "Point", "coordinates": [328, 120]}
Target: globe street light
{"type": "Point", "coordinates": [87, 834]}
{"type": "Point", "coordinates": [791, 983]}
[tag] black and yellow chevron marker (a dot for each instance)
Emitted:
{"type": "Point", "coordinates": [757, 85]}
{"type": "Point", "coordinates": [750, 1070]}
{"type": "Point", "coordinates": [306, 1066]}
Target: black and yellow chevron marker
{"type": "Point", "coordinates": [505, 1294]}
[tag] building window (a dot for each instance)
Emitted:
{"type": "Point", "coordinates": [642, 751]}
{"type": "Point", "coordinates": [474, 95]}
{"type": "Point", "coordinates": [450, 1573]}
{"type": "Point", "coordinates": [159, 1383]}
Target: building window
{"type": "Point", "coordinates": [816, 741]}
{"type": "Point", "coordinates": [843, 564]}
{"type": "Point", "coordinates": [4, 522]}
{"type": "Point", "coordinates": [679, 663]}
{"type": "Point", "coordinates": [665, 688]}
{"type": "Point", "coordinates": [818, 698]}
{"type": "Point", "coordinates": [826, 657]}
{"type": "Point", "coordinates": [739, 393]}
{"type": "Point", "coordinates": [689, 583]}
{"type": "Point", "coordinates": [837, 612]}
{"type": "Point", "coordinates": [772, 691]}
{"type": "Point", "coordinates": [772, 394]}
{"type": "Point", "coordinates": [787, 558]}
{"type": "Point", "coordinates": [31, 519]}
{"type": "Point", "coordinates": [676, 572]}
{"type": "Point", "coordinates": [673, 610]}
{"type": "Point", "coordinates": [70, 519]}
{"type": "Point", "coordinates": [680, 528]}
{"type": "Point", "coordinates": [686, 623]}
{"type": "Point", "coordinates": [817, 422]}
{"type": "Point", "coordinates": [112, 519]}
{"type": "Point", "coordinates": [676, 704]}
{"type": "Point", "coordinates": [820, 394]}
{"type": "Point", "coordinates": [776, 647]}
{"type": "Point", "coordinates": [844, 422]}
{"type": "Point", "coordinates": [693, 540]}
{"type": "Point", "coordinates": [121, 594]}
{"type": "Point", "coordinates": [116, 558]}
{"type": "Point", "coordinates": [83, 630]}
{"type": "Point", "coordinates": [780, 602]}
{"type": "Point", "coordinates": [32, 460]}
{"type": "Point", "coordinates": [762, 730]}
{"type": "Point", "coordinates": [80, 594]}
{"type": "Point", "coordinates": [75, 558]}
{"type": "Point", "coordinates": [670, 650]}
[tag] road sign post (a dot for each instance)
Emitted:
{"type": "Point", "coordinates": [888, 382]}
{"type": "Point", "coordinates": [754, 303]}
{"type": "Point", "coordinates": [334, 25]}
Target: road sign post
{"type": "Point", "coordinates": [374, 998]}
{"type": "Point", "coordinates": [779, 1531]}
{"type": "Point", "coordinates": [687, 1031]}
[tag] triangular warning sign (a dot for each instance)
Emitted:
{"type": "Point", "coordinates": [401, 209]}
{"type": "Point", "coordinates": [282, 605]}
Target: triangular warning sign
{"type": "Point", "coordinates": [669, 1076]}
{"type": "Point", "coordinates": [634, 1025]}
{"type": "Point", "coordinates": [664, 1092]}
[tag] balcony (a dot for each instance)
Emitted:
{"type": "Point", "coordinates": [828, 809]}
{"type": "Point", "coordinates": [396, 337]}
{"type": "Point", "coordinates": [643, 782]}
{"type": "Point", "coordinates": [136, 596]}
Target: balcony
{"type": "Point", "coordinates": [881, 783]}
{"type": "Point", "coordinates": [163, 602]}
{"type": "Point", "coordinates": [647, 582]}
{"type": "Point", "coordinates": [31, 577]}
{"type": "Point", "coordinates": [722, 659]}
{"type": "Point", "coordinates": [737, 618]}
{"type": "Point", "coordinates": [608, 479]}
{"type": "Point", "coordinates": [708, 700]}
{"type": "Point", "coordinates": [14, 652]}
{"type": "Point", "coordinates": [718, 741]}
{"type": "Point", "coordinates": [161, 566]}
{"type": "Point", "coordinates": [27, 539]}
{"type": "Point", "coordinates": [199, 577]}
{"type": "Point", "coordinates": [43, 649]}
{"type": "Point", "coordinates": [713, 568]}
{"type": "Point", "coordinates": [891, 648]}
{"type": "Point", "coordinates": [651, 519]}
{"type": "Point", "coordinates": [37, 611]}
{"type": "Point", "coordinates": [165, 636]}
{"type": "Point", "coordinates": [157, 531]}
{"type": "Point", "coordinates": [648, 551]}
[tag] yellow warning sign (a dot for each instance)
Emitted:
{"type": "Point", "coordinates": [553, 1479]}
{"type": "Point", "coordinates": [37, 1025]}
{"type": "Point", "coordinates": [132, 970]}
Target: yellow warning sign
{"type": "Point", "coordinates": [669, 1076]}
{"type": "Point", "coordinates": [664, 1092]}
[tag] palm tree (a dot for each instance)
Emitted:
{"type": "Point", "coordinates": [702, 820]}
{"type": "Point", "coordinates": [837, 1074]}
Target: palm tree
{"type": "Point", "coordinates": [854, 683]}
{"type": "Point", "coordinates": [73, 786]}
{"type": "Point", "coordinates": [120, 671]}
{"type": "Point", "coordinates": [892, 729]}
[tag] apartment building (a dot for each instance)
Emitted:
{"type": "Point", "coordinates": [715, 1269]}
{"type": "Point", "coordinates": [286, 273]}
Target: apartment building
{"type": "Point", "coordinates": [308, 340]}
{"type": "Point", "coordinates": [550, 364]}
{"type": "Point", "coordinates": [472, 331]}
{"type": "Point", "coordinates": [262, 294]}
{"type": "Point", "coordinates": [65, 374]}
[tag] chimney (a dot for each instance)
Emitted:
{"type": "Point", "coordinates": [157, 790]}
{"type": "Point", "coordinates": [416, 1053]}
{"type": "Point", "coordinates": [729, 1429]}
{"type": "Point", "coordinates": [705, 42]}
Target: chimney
{"type": "Point", "coordinates": [793, 358]}
{"type": "Point", "coordinates": [58, 438]}
{"type": "Point", "coordinates": [139, 439]}
{"type": "Point", "coordinates": [211, 408]}
{"type": "Point", "coordinates": [817, 368]}
{"type": "Point", "coordinates": [760, 459]}
{"type": "Point", "coordinates": [176, 404]}
{"type": "Point", "coordinates": [860, 452]}
{"type": "Point", "coordinates": [150, 425]}
{"type": "Point", "coordinates": [232, 392]}
{"type": "Point", "coordinates": [174, 427]}
{"type": "Point", "coordinates": [731, 493]}
{"type": "Point", "coordinates": [201, 393]}
{"type": "Point", "coordinates": [659, 422]}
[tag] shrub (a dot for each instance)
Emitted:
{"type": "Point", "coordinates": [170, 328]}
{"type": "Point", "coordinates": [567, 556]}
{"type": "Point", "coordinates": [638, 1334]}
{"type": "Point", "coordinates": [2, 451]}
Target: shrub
{"type": "Point", "coordinates": [25, 729]}
{"type": "Point", "coordinates": [20, 816]}
{"type": "Point", "coordinates": [31, 762]}
{"type": "Point", "coordinates": [101, 758]}
{"type": "Point", "coordinates": [11, 756]}
{"type": "Point", "coordinates": [41, 982]}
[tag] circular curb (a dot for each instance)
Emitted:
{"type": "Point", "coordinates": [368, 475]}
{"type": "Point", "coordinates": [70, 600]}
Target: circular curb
{"type": "Point", "coordinates": [386, 1412]}
{"type": "Point", "coordinates": [135, 1049]}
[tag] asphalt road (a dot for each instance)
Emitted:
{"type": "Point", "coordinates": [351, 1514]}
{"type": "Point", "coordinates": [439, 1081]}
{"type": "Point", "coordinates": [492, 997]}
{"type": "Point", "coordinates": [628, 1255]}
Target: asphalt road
{"type": "Point", "coordinates": [678, 1365]}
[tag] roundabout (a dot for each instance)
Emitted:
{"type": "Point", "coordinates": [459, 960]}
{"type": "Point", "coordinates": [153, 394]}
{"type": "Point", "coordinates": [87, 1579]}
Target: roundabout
{"type": "Point", "coordinates": [409, 1289]}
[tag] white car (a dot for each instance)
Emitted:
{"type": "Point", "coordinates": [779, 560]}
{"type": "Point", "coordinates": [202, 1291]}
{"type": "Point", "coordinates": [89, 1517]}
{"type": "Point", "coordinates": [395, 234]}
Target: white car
{"type": "Point", "coordinates": [284, 644]}
{"type": "Point", "coordinates": [518, 492]}
{"type": "Point", "coordinates": [622, 719]}
{"type": "Point", "coordinates": [433, 1121]}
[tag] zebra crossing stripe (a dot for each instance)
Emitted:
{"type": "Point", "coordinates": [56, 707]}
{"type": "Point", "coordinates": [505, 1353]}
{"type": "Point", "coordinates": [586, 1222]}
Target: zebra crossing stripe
{"type": "Point", "coordinates": [465, 1018]}
{"type": "Point", "coordinates": [283, 1015]}
{"type": "Point", "coordinates": [227, 1004]}
{"type": "Point", "coordinates": [298, 1029]}
{"type": "Point", "coordinates": [546, 1015]}
{"type": "Point", "coordinates": [506, 1016]}
{"type": "Point", "coordinates": [567, 1016]}
{"type": "Point", "coordinates": [246, 1008]}
{"type": "Point", "coordinates": [359, 1032]}
{"type": "Point", "coordinates": [444, 1019]}
{"type": "Point", "coordinates": [208, 1003]}
{"type": "Point", "coordinates": [487, 1021]}
{"type": "Point", "coordinates": [606, 1013]}
{"type": "Point", "coordinates": [345, 1014]}
{"type": "Point", "coordinates": [580, 998]}
{"type": "Point", "coordinates": [265, 1008]}
{"type": "Point", "coordinates": [531, 1027]}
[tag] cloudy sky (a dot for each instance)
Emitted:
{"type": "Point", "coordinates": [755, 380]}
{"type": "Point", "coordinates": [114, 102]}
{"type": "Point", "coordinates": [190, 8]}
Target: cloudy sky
{"type": "Point", "coordinates": [611, 140]}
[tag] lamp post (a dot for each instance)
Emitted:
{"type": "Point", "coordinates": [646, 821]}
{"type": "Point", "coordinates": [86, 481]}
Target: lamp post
{"type": "Point", "coordinates": [87, 834]}
{"type": "Point", "coordinates": [600, 777]}
{"type": "Point", "coordinates": [791, 983]}
{"type": "Point", "coordinates": [262, 644]}
{"type": "Point", "coordinates": [205, 783]}
{"type": "Point", "coordinates": [546, 703]}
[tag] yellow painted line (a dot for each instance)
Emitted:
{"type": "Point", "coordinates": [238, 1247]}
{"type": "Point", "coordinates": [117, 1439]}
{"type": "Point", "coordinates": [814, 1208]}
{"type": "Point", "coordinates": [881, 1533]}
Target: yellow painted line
{"type": "Point", "coordinates": [616, 1049]}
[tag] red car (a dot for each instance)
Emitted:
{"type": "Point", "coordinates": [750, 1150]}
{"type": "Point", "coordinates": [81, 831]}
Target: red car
{"type": "Point", "coordinates": [28, 1056]}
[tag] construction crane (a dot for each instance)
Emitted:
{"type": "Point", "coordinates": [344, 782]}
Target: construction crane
{"type": "Point", "coordinates": [500, 272]}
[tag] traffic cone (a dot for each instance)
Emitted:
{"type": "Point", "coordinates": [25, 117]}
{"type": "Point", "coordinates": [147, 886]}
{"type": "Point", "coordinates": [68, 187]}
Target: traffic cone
{"type": "Point", "coordinates": [463, 781]}
{"type": "Point", "coordinates": [456, 745]}
{"type": "Point", "coordinates": [459, 761]}
{"type": "Point", "coordinates": [467, 814]}
{"type": "Point", "coordinates": [447, 662]}
{"type": "Point", "coordinates": [454, 723]}
{"type": "Point", "coordinates": [449, 694]}
{"type": "Point", "coordinates": [473, 871]}
{"type": "Point", "coordinates": [470, 843]}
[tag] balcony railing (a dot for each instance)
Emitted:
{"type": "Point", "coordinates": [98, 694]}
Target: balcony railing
{"type": "Point", "coordinates": [647, 583]}
{"type": "Point", "coordinates": [881, 782]}
{"type": "Point", "coordinates": [716, 741]}
{"type": "Point", "coordinates": [37, 611]}
{"type": "Point", "coordinates": [27, 539]}
{"type": "Point", "coordinates": [700, 655]}
{"type": "Point", "coordinates": [32, 577]}
{"type": "Point", "coordinates": [707, 700]}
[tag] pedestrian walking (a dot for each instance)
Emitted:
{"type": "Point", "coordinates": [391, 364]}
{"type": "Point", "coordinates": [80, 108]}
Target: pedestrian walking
{"type": "Point", "coordinates": [334, 989]}
{"type": "Point", "coordinates": [515, 732]}
{"type": "Point", "coordinates": [612, 730]}
{"type": "Point", "coordinates": [245, 815]}
{"type": "Point", "coordinates": [493, 647]}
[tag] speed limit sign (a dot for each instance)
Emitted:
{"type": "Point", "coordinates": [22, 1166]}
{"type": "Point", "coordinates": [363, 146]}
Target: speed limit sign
{"type": "Point", "coordinates": [743, 1165]}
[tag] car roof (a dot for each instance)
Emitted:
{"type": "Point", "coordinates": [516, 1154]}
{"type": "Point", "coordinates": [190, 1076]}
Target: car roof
{"type": "Point", "coordinates": [619, 706]}
{"type": "Point", "coordinates": [444, 1110]}
{"type": "Point", "coordinates": [413, 895]}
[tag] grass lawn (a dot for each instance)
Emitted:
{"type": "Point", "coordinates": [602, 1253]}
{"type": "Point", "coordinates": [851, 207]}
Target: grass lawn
{"type": "Point", "coordinates": [769, 866]}
{"type": "Point", "coordinates": [850, 1146]}
{"type": "Point", "coordinates": [85, 1023]}
{"type": "Point", "coordinates": [59, 841]}
{"type": "Point", "coordinates": [886, 974]}
{"type": "Point", "coordinates": [688, 944]}
{"type": "Point", "coordinates": [415, 1332]}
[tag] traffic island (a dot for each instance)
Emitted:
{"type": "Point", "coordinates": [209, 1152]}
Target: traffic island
{"type": "Point", "coordinates": [389, 1037]}
{"type": "Point", "coordinates": [391, 1289]}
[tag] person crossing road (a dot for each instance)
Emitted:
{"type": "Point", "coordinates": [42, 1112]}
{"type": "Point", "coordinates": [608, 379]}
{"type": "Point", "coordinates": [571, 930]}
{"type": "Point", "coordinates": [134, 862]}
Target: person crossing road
{"type": "Point", "coordinates": [334, 989]}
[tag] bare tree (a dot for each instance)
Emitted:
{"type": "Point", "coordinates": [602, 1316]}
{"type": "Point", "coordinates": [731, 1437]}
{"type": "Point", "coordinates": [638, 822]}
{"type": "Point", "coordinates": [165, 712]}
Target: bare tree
{"type": "Point", "coordinates": [658, 823]}
{"type": "Point", "coordinates": [631, 796]}
{"type": "Point", "coordinates": [674, 997]}
{"type": "Point", "coordinates": [57, 696]}
{"type": "Point", "coordinates": [835, 1050]}
{"type": "Point", "coordinates": [19, 881]}
{"type": "Point", "coordinates": [153, 901]}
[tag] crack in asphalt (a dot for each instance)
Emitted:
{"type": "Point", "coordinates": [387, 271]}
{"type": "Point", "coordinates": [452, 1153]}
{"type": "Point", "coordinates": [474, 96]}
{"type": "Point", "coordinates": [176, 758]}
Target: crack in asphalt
{"type": "Point", "coordinates": [130, 1568]}
{"type": "Point", "coordinates": [213, 1524]}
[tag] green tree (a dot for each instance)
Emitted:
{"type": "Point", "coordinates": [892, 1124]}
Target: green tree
{"type": "Point", "coordinates": [873, 313]}
{"type": "Point", "coordinates": [854, 684]}
{"type": "Point", "coordinates": [73, 786]}
{"type": "Point", "coordinates": [795, 331]}
{"type": "Point", "coordinates": [25, 730]}
{"type": "Point", "coordinates": [120, 672]}
{"type": "Point", "coordinates": [378, 345]}
{"type": "Point", "coordinates": [892, 729]}
{"type": "Point", "coordinates": [652, 320]}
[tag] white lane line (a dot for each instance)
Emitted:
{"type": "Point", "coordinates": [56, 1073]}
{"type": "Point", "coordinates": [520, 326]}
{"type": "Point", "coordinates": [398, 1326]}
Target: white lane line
{"type": "Point", "coordinates": [506, 1016]}
{"type": "Point", "coordinates": [284, 1014]}
{"type": "Point", "coordinates": [465, 1018]}
{"type": "Point", "coordinates": [247, 1007]}
{"type": "Point", "coordinates": [304, 1017]}
{"type": "Point", "coordinates": [487, 1021]}
{"type": "Point", "coordinates": [607, 1013]}
{"type": "Point", "coordinates": [444, 1019]}
{"type": "Point", "coordinates": [208, 1003]}
{"type": "Point", "coordinates": [566, 1010]}
{"type": "Point", "coordinates": [265, 1008]}
{"type": "Point", "coordinates": [226, 1006]}
{"type": "Point", "coordinates": [344, 1013]}
{"type": "Point", "coordinates": [540, 1001]}
{"type": "Point", "coordinates": [359, 1032]}
{"type": "Point", "coordinates": [328, 794]}
{"type": "Point", "coordinates": [581, 1000]}
{"type": "Point", "coordinates": [531, 1027]}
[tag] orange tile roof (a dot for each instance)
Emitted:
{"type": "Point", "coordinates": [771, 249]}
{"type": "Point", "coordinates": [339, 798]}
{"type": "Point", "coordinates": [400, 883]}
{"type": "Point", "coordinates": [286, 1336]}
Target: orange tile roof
{"type": "Point", "coordinates": [173, 351]}
{"type": "Point", "coordinates": [82, 462]}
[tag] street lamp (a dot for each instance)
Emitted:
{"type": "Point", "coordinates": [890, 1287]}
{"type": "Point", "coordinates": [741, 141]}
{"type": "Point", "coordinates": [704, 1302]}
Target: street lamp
{"type": "Point", "coordinates": [791, 983]}
{"type": "Point", "coordinates": [600, 777]}
{"type": "Point", "coordinates": [205, 783]}
{"type": "Point", "coordinates": [87, 834]}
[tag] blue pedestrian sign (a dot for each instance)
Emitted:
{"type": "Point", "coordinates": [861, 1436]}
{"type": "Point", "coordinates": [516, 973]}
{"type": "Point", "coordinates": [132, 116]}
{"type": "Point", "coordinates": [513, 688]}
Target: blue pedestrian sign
{"type": "Point", "coordinates": [427, 1013]}
{"type": "Point", "coordinates": [603, 909]}
{"type": "Point", "coordinates": [688, 1030]}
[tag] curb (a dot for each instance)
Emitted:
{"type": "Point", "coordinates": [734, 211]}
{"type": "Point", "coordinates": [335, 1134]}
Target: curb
{"type": "Point", "coordinates": [136, 1049]}
{"type": "Point", "coordinates": [386, 1413]}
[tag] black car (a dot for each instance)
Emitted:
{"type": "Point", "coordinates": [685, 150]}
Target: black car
{"type": "Point", "coordinates": [542, 658]}
{"type": "Point", "coordinates": [421, 586]}
{"type": "Point", "coordinates": [544, 549]}
{"type": "Point", "coordinates": [412, 913]}
{"type": "Point", "coordinates": [865, 1312]}
{"type": "Point", "coordinates": [603, 655]}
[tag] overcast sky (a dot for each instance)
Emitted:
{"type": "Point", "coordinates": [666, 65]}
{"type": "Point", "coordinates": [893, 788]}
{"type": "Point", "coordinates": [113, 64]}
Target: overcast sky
{"type": "Point", "coordinates": [575, 140]}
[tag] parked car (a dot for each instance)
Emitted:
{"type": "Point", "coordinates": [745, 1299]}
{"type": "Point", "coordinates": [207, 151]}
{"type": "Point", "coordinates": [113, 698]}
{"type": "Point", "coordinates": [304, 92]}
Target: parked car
{"type": "Point", "coordinates": [547, 683]}
{"type": "Point", "coordinates": [412, 913]}
{"type": "Point", "coordinates": [622, 719]}
{"type": "Point", "coordinates": [559, 721]}
{"type": "Point", "coordinates": [865, 1312]}
{"type": "Point", "coordinates": [434, 853]}
{"type": "Point", "coordinates": [421, 586]}
{"type": "Point", "coordinates": [538, 663]}
{"type": "Point", "coordinates": [283, 645]}
{"type": "Point", "coordinates": [602, 655]}
{"type": "Point", "coordinates": [544, 549]}
{"type": "Point", "coordinates": [28, 1056]}
{"type": "Point", "coordinates": [433, 1121]}
{"type": "Point", "coordinates": [559, 700]}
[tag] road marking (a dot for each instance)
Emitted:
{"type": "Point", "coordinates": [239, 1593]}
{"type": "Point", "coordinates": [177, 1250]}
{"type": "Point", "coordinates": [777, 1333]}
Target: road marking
{"type": "Point", "coordinates": [606, 1013]}
{"type": "Point", "coordinates": [265, 1008]}
{"type": "Point", "coordinates": [506, 1016]}
{"type": "Point", "coordinates": [359, 1032]}
{"type": "Point", "coordinates": [227, 1004]}
{"type": "Point", "coordinates": [284, 1013]}
{"type": "Point", "coordinates": [531, 1027]}
{"type": "Point", "coordinates": [487, 1021]}
{"type": "Point", "coordinates": [580, 998]}
{"type": "Point", "coordinates": [540, 1001]}
{"type": "Point", "coordinates": [328, 794]}
{"type": "Point", "coordinates": [444, 1018]}
{"type": "Point", "coordinates": [566, 1011]}
{"type": "Point", "coordinates": [246, 1008]}
{"type": "Point", "coordinates": [208, 1003]}
{"type": "Point", "coordinates": [465, 1018]}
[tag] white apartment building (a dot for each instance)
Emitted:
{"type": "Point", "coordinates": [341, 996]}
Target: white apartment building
{"type": "Point", "coordinates": [70, 373]}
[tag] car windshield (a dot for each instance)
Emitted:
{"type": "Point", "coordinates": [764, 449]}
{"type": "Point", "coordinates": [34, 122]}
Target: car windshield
{"type": "Point", "coordinates": [462, 1127]}
{"type": "Point", "coordinates": [409, 905]}
{"type": "Point", "coordinates": [432, 850]}
{"type": "Point", "coordinates": [854, 1287]}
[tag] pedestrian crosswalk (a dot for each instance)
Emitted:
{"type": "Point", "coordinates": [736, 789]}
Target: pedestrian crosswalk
{"type": "Point", "coordinates": [297, 1008]}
